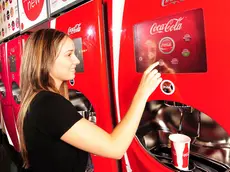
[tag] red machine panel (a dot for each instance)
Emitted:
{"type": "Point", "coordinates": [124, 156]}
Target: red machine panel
{"type": "Point", "coordinates": [91, 84]}
{"type": "Point", "coordinates": [7, 109]}
{"type": "Point", "coordinates": [5, 89]}
{"type": "Point", "coordinates": [2, 88]}
{"type": "Point", "coordinates": [184, 37]}
{"type": "Point", "coordinates": [10, 124]}
{"type": "Point", "coordinates": [14, 53]}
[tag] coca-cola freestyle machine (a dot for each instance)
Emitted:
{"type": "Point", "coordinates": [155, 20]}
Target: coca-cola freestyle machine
{"type": "Point", "coordinates": [2, 87]}
{"type": "Point", "coordinates": [6, 104]}
{"type": "Point", "coordinates": [190, 39]}
{"type": "Point", "coordinates": [89, 92]}
{"type": "Point", "coordinates": [14, 53]}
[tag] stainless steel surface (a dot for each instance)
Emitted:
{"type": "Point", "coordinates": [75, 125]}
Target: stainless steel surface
{"type": "Point", "coordinates": [161, 118]}
{"type": "Point", "coordinates": [2, 89]}
{"type": "Point", "coordinates": [82, 105]}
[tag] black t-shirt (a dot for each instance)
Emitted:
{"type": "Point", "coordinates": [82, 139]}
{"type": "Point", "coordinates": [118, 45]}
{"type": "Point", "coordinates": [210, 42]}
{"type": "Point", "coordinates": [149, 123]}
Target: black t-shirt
{"type": "Point", "coordinates": [49, 116]}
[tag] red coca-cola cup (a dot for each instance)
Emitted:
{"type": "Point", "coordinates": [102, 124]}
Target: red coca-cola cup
{"type": "Point", "coordinates": [180, 148]}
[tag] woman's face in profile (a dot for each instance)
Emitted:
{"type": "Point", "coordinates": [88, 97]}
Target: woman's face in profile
{"type": "Point", "coordinates": [65, 63]}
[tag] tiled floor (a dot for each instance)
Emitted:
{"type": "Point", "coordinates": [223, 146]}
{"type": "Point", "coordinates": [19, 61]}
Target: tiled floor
{"type": "Point", "coordinates": [10, 160]}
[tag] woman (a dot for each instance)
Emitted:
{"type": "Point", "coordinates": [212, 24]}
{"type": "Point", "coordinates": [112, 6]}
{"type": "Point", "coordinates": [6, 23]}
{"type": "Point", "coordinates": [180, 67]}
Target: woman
{"type": "Point", "coordinates": [53, 136]}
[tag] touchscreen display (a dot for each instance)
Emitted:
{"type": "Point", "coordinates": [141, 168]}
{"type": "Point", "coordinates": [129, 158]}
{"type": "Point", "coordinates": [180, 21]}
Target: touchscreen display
{"type": "Point", "coordinates": [177, 41]}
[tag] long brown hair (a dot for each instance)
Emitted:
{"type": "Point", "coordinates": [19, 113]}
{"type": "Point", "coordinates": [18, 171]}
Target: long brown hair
{"type": "Point", "coordinates": [40, 51]}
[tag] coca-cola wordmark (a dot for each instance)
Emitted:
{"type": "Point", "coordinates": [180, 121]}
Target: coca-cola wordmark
{"type": "Point", "coordinates": [167, 2]}
{"type": "Point", "coordinates": [75, 29]}
{"type": "Point", "coordinates": [174, 24]}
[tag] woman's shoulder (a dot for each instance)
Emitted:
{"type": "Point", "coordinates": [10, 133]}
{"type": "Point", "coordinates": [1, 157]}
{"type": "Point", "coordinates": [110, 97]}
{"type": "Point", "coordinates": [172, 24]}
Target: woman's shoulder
{"type": "Point", "coordinates": [47, 98]}
{"type": "Point", "coordinates": [46, 93]}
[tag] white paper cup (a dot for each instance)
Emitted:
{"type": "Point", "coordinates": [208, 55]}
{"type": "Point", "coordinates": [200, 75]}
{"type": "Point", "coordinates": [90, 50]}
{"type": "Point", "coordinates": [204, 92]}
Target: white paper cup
{"type": "Point", "coordinates": [180, 148]}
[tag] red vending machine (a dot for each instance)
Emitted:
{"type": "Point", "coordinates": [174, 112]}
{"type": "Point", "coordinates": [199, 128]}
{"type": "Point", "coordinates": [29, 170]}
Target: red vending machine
{"type": "Point", "coordinates": [89, 91]}
{"type": "Point", "coordinates": [7, 108]}
{"type": "Point", "coordinates": [2, 87]}
{"type": "Point", "coordinates": [189, 39]}
{"type": "Point", "coordinates": [14, 53]}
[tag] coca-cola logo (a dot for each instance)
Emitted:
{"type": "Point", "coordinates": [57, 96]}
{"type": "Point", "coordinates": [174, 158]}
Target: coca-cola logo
{"type": "Point", "coordinates": [32, 8]}
{"type": "Point", "coordinates": [174, 24]}
{"type": "Point", "coordinates": [167, 87]}
{"type": "Point", "coordinates": [167, 2]}
{"type": "Point", "coordinates": [12, 50]}
{"type": "Point", "coordinates": [166, 45]}
{"type": "Point", "coordinates": [75, 29]}
{"type": "Point", "coordinates": [174, 61]}
{"type": "Point", "coordinates": [184, 154]}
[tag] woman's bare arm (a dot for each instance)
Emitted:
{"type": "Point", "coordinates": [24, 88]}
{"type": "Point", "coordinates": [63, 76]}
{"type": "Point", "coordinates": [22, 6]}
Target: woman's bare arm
{"type": "Point", "coordinates": [87, 136]}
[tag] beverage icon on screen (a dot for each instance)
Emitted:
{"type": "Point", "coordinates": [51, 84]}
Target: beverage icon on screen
{"type": "Point", "coordinates": [187, 37]}
{"type": "Point", "coordinates": [166, 45]}
{"type": "Point", "coordinates": [185, 52]}
{"type": "Point", "coordinates": [167, 87]}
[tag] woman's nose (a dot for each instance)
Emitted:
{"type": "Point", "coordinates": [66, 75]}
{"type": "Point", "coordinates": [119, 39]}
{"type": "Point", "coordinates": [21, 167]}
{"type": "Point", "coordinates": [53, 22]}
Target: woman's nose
{"type": "Point", "coordinates": [75, 59]}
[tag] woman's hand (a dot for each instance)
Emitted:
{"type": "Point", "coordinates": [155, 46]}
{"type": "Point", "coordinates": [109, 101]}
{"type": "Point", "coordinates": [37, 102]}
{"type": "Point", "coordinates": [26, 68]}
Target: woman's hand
{"type": "Point", "coordinates": [150, 80]}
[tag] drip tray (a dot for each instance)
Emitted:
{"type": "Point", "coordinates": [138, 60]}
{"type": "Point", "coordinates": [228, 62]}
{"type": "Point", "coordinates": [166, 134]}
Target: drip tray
{"type": "Point", "coordinates": [196, 162]}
